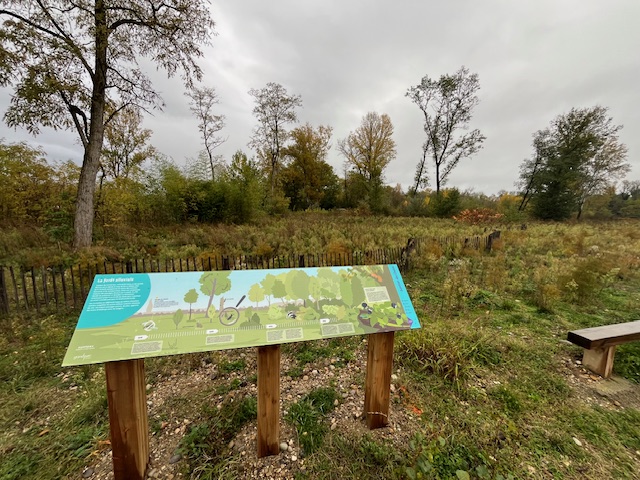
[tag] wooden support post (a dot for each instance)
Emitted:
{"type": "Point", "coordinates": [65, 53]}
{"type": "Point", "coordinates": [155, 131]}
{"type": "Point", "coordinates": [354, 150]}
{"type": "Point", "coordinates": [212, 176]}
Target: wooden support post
{"type": "Point", "coordinates": [268, 400]}
{"type": "Point", "coordinates": [126, 393]}
{"type": "Point", "coordinates": [378, 380]}
{"type": "Point", "coordinates": [599, 360]}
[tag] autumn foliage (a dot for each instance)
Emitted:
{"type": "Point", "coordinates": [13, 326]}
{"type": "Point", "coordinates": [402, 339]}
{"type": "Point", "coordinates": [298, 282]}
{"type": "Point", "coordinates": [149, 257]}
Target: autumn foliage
{"type": "Point", "coordinates": [476, 216]}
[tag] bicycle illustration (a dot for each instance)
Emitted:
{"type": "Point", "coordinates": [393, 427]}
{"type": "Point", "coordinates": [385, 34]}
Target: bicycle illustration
{"type": "Point", "coordinates": [230, 315]}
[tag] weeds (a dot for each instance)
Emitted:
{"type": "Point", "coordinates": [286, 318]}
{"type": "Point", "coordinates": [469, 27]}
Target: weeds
{"type": "Point", "coordinates": [486, 368]}
{"type": "Point", "coordinates": [307, 416]}
{"type": "Point", "coordinates": [451, 352]}
{"type": "Point", "coordinates": [205, 445]}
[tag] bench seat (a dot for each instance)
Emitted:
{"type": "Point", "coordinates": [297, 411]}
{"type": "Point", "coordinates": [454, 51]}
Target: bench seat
{"type": "Point", "coordinates": [600, 343]}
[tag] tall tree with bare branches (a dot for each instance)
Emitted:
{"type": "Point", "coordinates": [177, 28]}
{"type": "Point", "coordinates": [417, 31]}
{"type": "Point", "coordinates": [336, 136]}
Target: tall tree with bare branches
{"type": "Point", "coordinates": [446, 105]}
{"type": "Point", "coordinates": [274, 110]}
{"type": "Point", "coordinates": [203, 101]}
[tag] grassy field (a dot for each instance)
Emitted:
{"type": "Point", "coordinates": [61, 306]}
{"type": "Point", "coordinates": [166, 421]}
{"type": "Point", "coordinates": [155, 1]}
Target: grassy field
{"type": "Point", "coordinates": [497, 391]}
{"type": "Point", "coordinates": [297, 233]}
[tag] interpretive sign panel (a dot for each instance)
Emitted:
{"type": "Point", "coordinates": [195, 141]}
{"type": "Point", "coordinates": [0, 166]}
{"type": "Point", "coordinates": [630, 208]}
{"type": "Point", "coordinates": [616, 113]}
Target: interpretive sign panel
{"type": "Point", "coordinates": [132, 316]}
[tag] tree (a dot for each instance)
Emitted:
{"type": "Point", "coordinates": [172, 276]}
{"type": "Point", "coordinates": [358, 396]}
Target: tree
{"type": "Point", "coordinates": [125, 149]}
{"type": "Point", "coordinates": [279, 290]}
{"type": "Point", "coordinates": [368, 150]}
{"type": "Point", "coordinates": [214, 283]}
{"type": "Point", "coordinates": [74, 65]}
{"type": "Point", "coordinates": [125, 145]}
{"type": "Point", "coordinates": [577, 156]}
{"type": "Point", "coordinates": [191, 297]}
{"type": "Point", "coordinates": [267, 285]}
{"type": "Point", "coordinates": [297, 285]}
{"type": "Point", "coordinates": [274, 109]}
{"type": "Point", "coordinates": [308, 179]}
{"type": "Point", "coordinates": [247, 186]}
{"type": "Point", "coordinates": [202, 103]}
{"type": "Point", "coordinates": [256, 293]}
{"type": "Point", "coordinates": [177, 317]}
{"type": "Point", "coordinates": [602, 170]}
{"type": "Point", "coordinates": [446, 105]}
{"type": "Point", "coordinates": [26, 180]}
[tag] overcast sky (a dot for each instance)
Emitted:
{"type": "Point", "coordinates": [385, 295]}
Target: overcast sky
{"type": "Point", "coordinates": [535, 59]}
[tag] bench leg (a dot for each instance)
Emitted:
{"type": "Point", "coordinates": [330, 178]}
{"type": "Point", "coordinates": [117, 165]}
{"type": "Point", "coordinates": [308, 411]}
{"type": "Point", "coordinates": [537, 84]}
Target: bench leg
{"type": "Point", "coordinates": [600, 360]}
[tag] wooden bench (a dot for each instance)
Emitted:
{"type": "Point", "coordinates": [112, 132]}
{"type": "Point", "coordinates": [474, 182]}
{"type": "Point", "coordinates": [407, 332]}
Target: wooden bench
{"type": "Point", "coordinates": [600, 343]}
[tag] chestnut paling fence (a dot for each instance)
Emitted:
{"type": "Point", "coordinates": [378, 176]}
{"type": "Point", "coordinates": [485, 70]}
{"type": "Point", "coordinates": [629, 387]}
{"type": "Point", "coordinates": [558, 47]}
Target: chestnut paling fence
{"type": "Point", "coordinates": [57, 288]}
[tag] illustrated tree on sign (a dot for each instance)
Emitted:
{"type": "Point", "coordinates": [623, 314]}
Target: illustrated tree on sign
{"type": "Point", "coordinates": [191, 297]}
{"type": "Point", "coordinates": [368, 150]}
{"type": "Point", "coordinates": [214, 283]}
{"type": "Point", "coordinates": [75, 65]}
{"type": "Point", "coordinates": [177, 317]}
{"type": "Point", "coordinates": [329, 283]}
{"type": "Point", "coordinates": [256, 294]}
{"type": "Point", "coordinates": [297, 285]}
{"type": "Point", "coordinates": [446, 105]}
{"type": "Point", "coordinates": [280, 290]}
{"type": "Point", "coordinates": [268, 283]}
{"type": "Point", "coordinates": [315, 290]}
{"type": "Point", "coordinates": [274, 110]}
{"type": "Point", "coordinates": [202, 104]}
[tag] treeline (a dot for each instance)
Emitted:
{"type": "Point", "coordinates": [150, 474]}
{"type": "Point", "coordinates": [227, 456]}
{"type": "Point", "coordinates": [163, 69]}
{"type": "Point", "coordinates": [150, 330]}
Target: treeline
{"type": "Point", "coordinates": [158, 192]}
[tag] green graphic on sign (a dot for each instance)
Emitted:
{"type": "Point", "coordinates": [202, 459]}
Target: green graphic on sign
{"type": "Point", "coordinates": [130, 316]}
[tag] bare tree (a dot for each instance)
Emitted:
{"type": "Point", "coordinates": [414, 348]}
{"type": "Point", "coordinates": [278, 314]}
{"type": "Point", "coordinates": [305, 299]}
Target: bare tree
{"type": "Point", "coordinates": [202, 104]}
{"type": "Point", "coordinates": [446, 105]}
{"type": "Point", "coordinates": [274, 109]}
{"type": "Point", "coordinates": [74, 65]}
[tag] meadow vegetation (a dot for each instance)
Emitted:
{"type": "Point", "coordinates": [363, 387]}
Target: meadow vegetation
{"type": "Point", "coordinates": [495, 388]}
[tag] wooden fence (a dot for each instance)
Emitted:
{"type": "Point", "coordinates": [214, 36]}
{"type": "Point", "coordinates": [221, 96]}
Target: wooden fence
{"type": "Point", "coordinates": [57, 288]}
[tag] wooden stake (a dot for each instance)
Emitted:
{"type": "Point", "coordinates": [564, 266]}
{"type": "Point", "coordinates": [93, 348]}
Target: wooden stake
{"type": "Point", "coordinates": [378, 380]}
{"type": "Point", "coordinates": [268, 400]}
{"type": "Point", "coordinates": [126, 393]}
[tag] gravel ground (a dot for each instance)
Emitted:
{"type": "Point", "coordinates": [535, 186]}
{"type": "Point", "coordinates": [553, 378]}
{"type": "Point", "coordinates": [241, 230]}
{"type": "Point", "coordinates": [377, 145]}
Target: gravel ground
{"type": "Point", "coordinates": [170, 398]}
{"type": "Point", "coordinates": [164, 401]}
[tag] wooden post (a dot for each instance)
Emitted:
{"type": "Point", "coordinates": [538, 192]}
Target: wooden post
{"type": "Point", "coordinates": [378, 380]}
{"type": "Point", "coordinates": [268, 400]}
{"type": "Point", "coordinates": [126, 393]}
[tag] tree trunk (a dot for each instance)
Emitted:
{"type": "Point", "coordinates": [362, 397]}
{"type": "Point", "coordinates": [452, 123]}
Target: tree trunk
{"type": "Point", "coordinates": [213, 292]}
{"type": "Point", "coordinates": [83, 221]}
{"type": "Point", "coordinates": [580, 206]}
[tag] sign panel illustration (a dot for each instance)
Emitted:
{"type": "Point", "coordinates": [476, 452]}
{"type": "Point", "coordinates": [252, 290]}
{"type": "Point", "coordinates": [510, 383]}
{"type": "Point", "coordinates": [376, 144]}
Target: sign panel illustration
{"type": "Point", "coordinates": [129, 316]}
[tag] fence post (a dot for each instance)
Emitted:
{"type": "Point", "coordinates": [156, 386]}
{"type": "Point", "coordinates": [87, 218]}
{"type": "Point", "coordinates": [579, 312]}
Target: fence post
{"type": "Point", "coordinates": [492, 236]}
{"type": "Point", "coordinates": [4, 297]}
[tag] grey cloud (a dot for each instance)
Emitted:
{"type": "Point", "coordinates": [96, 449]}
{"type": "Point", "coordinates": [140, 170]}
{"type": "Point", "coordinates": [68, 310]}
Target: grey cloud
{"type": "Point", "coordinates": [535, 61]}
